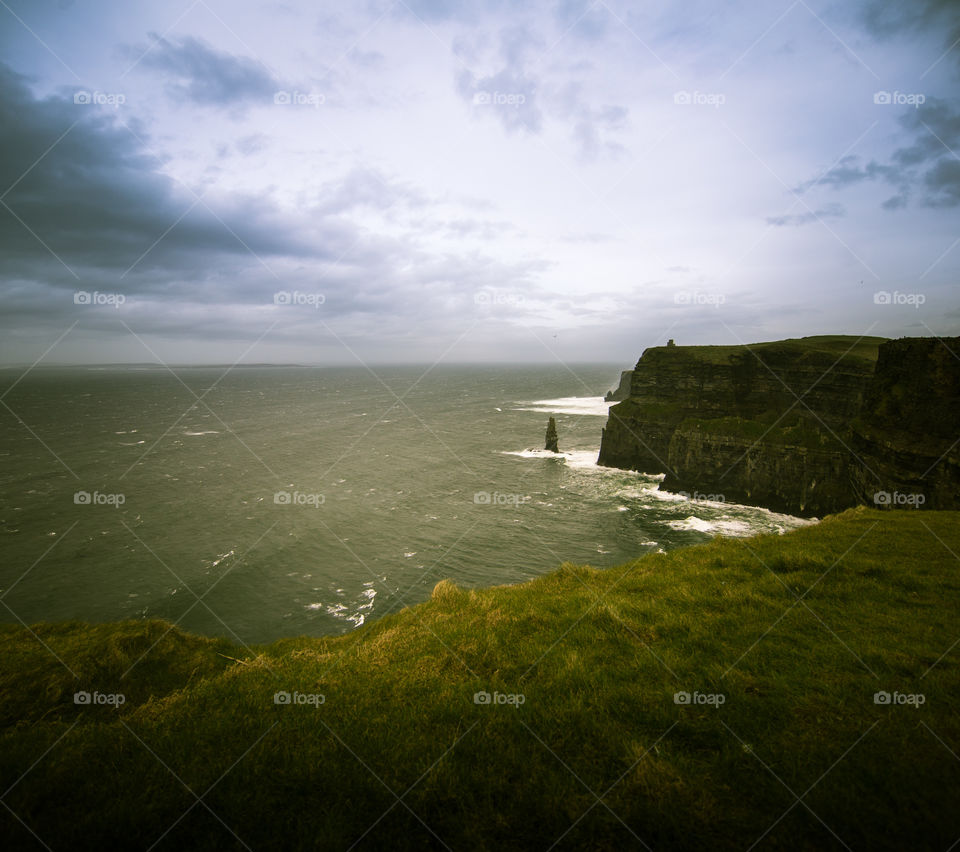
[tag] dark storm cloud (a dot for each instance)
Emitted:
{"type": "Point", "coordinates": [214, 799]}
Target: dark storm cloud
{"type": "Point", "coordinates": [195, 71]}
{"type": "Point", "coordinates": [85, 208]}
{"type": "Point", "coordinates": [95, 199]}
{"type": "Point", "coordinates": [893, 18]}
{"type": "Point", "coordinates": [942, 183]}
{"type": "Point", "coordinates": [925, 170]}
{"type": "Point", "coordinates": [848, 171]}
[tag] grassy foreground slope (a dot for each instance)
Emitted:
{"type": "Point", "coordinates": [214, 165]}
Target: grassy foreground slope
{"type": "Point", "coordinates": [796, 633]}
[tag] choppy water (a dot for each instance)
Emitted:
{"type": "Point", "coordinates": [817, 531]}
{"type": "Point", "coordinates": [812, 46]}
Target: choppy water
{"type": "Point", "coordinates": [396, 480]}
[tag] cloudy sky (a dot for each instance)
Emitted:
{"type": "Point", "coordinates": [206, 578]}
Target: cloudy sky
{"type": "Point", "coordinates": [474, 180]}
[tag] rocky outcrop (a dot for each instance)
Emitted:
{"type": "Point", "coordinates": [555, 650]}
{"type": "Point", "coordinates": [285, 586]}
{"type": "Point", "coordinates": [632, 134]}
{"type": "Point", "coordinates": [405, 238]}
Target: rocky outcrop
{"type": "Point", "coordinates": [551, 442]}
{"type": "Point", "coordinates": [622, 391]}
{"type": "Point", "coordinates": [807, 426]}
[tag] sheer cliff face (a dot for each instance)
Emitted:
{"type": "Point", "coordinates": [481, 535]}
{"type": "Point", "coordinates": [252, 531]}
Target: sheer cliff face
{"type": "Point", "coordinates": [623, 388]}
{"type": "Point", "coordinates": [769, 424]}
{"type": "Point", "coordinates": [907, 434]}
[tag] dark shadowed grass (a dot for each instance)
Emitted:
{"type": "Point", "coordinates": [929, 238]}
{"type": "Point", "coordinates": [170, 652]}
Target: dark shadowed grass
{"type": "Point", "coordinates": [793, 634]}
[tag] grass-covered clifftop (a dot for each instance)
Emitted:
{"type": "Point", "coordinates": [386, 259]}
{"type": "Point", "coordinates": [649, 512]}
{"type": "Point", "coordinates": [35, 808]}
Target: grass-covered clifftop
{"type": "Point", "coordinates": [781, 641]}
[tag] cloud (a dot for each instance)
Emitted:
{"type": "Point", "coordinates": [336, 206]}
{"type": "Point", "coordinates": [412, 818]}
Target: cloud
{"type": "Point", "coordinates": [465, 11]}
{"type": "Point", "coordinates": [582, 18]}
{"type": "Point", "coordinates": [365, 187]}
{"type": "Point", "coordinates": [942, 184]}
{"type": "Point", "coordinates": [195, 71]}
{"type": "Point", "coordinates": [508, 96]}
{"type": "Point", "coordinates": [98, 200]}
{"type": "Point", "coordinates": [592, 126]}
{"type": "Point", "coordinates": [926, 168]}
{"type": "Point", "coordinates": [521, 100]}
{"type": "Point", "coordinates": [826, 212]}
{"type": "Point", "coordinates": [96, 213]}
{"type": "Point", "coordinates": [366, 58]}
{"type": "Point", "coordinates": [892, 18]}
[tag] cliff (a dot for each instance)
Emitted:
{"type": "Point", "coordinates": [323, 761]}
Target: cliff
{"type": "Point", "coordinates": [907, 434]}
{"type": "Point", "coordinates": [622, 390]}
{"type": "Point", "coordinates": [808, 426]}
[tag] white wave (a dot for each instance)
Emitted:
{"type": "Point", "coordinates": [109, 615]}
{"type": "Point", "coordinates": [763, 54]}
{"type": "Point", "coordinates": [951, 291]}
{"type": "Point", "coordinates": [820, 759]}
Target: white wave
{"type": "Point", "coordinates": [589, 405]}
{"type": "Point", "coordinates": [220, 558]}
{"type": "Point", "coordinates": [341, 610]}
{"type": "Point", "coordinates": [731, 527]}
{"type": "Point", "coordinates": [211, 432]}
{"type": "Point", "coordinates": [537, 454]}
{"type": "Point", "coordinates": [693, 523]}
{"type": "Point", "coordinates": [645, 492]}
{"type": "Point", "coordinates": [578, 459]}
{"type": "Point", "coordinates": [740, 527]}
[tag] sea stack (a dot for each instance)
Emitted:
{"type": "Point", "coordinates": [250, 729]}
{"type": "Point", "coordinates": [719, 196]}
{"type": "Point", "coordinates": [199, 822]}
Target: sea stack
{"type": "Point", "coordinates": [551, 443]}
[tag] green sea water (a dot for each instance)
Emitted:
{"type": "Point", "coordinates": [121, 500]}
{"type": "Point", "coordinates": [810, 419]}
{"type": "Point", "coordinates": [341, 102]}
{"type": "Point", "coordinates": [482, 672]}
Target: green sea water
{"type": "Point", "coordinates": [278, 501]}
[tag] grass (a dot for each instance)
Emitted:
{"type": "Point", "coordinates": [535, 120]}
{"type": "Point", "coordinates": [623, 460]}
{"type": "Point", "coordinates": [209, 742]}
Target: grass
{"type": "Point", "coordinates": [845, 347]}
{"type": "Point", "coordinates": [796, 632]}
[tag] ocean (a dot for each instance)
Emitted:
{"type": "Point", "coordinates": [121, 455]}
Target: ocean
{"type": "Point", "coordinates": [282, 501]}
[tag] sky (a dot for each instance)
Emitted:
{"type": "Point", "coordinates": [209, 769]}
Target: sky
{"type": "Point", "coordinates": [415, 181]}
